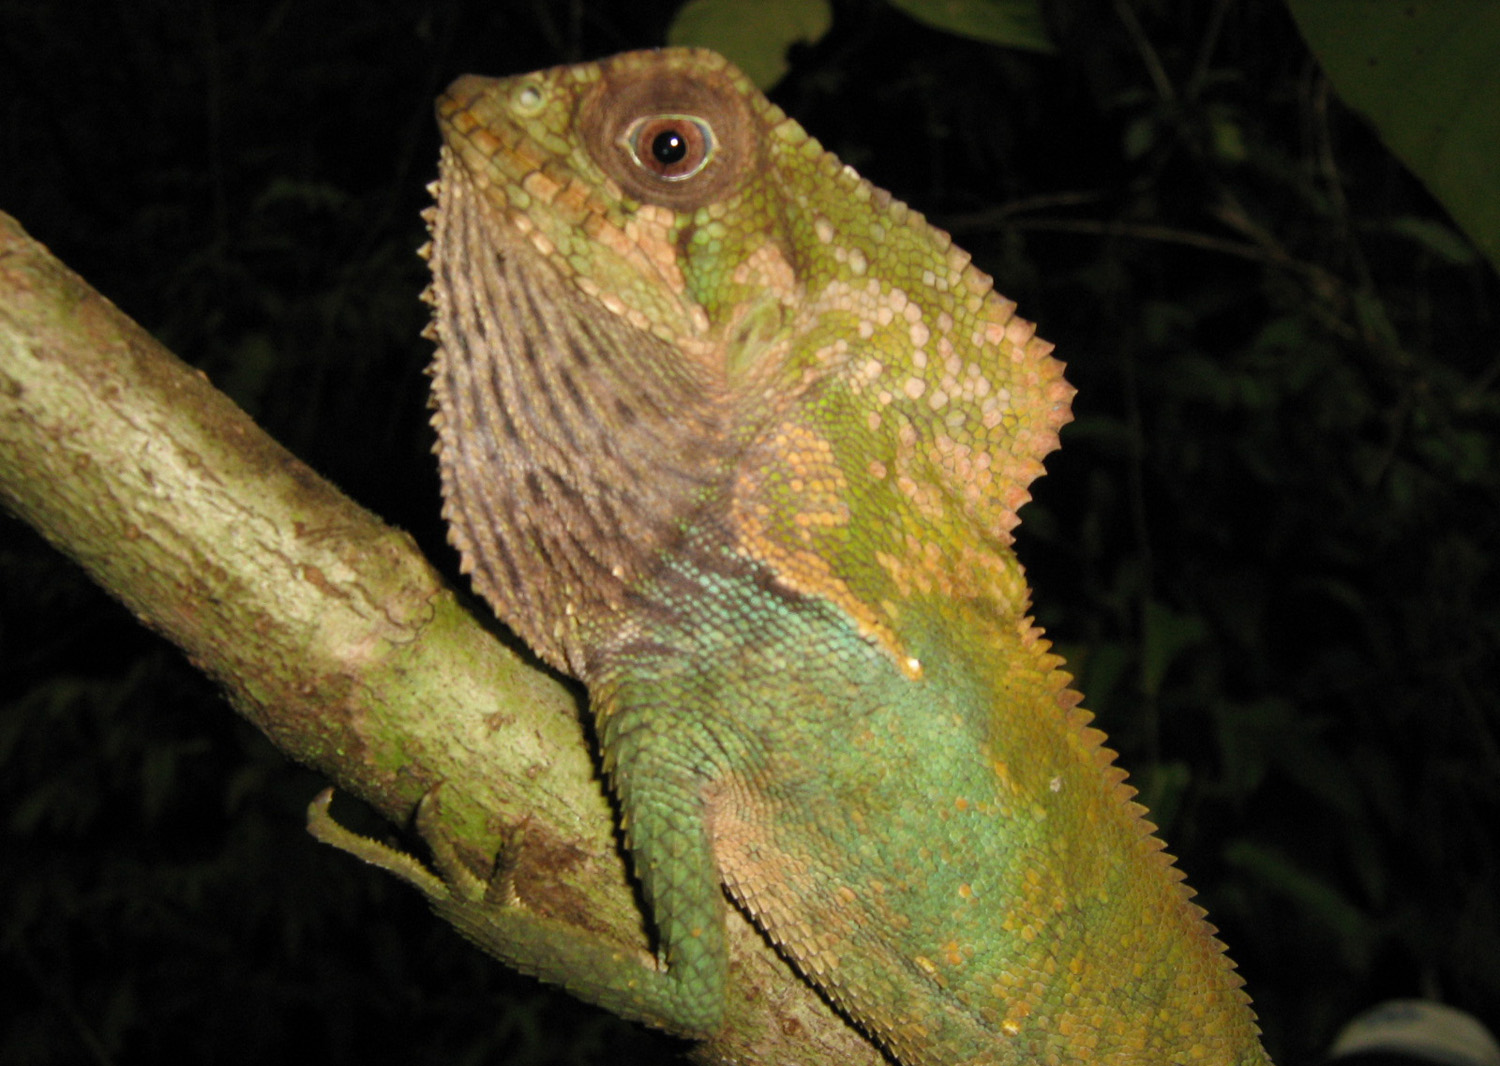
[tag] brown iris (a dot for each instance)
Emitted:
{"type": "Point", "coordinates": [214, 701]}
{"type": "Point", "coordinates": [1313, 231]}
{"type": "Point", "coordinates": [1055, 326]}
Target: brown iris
{"type": "Point", "coordinates": [670, 147]}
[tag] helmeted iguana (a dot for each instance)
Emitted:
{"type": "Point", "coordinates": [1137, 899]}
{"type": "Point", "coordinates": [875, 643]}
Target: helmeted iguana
{"type": "Point", "coordinates": [738, 440]}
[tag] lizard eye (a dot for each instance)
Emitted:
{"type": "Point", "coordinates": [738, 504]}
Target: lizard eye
{"type": "Point", "coordinates": [668, 137]}
{"type": "Point", "coordinates": [670, 147]}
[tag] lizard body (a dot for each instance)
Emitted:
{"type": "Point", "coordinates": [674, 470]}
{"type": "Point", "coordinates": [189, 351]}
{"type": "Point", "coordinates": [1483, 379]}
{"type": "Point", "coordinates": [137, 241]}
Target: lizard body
{"type": "Point", "coordinates": [738, 439]}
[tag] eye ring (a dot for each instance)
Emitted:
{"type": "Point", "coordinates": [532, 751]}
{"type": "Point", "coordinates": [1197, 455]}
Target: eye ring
{"type": "Point", "coordinates": [528, 98]}
{"type": "Point", "coordinates": [670, 147]}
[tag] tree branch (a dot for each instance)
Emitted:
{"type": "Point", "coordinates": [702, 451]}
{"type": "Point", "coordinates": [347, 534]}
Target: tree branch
{"type": "Point", "coordinates": [326, 628]}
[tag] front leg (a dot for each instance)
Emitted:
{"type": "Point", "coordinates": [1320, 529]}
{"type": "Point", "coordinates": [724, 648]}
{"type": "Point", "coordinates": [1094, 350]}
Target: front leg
{"type": "Point", "coordinates": [682, 990]}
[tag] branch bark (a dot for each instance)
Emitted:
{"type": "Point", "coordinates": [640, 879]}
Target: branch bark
{"type": "Point", "coordinates": [326, 628]}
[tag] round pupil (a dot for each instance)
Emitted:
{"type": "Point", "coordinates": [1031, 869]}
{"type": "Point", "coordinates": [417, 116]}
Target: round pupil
{"type": "Point", "coordinates": [668, 147]}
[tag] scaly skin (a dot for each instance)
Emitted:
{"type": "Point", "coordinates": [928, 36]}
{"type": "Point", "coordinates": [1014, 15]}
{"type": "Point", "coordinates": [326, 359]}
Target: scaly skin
{"type": "Point", "coordinates": [739, 440]}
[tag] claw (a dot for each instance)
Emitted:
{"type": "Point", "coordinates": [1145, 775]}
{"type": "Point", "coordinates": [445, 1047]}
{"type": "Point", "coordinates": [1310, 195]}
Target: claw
{"type": "Point", "coordinates": [326, 829]}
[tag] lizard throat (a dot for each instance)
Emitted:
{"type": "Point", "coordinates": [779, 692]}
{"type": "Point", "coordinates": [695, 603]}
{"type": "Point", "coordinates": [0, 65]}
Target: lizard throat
{"type": "Point", "coordinates": [573, 447]}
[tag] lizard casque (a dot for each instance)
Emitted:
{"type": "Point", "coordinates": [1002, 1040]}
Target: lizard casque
{"type": "Point", "coordinates": [738, 440]}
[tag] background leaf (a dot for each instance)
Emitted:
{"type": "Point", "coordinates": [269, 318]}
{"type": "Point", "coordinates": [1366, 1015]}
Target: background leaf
{"type": "Point", "coordinates": [1425, 73]}
{"type": "Point", "coordinates": [1010, 23]}
{"type": "Point", "coordinates": [752, 34]}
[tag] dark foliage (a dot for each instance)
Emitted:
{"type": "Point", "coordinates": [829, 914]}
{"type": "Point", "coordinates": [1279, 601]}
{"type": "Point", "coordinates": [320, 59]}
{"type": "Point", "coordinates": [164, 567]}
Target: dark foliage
{"type": "Point", "coordinates": [1268, 545]}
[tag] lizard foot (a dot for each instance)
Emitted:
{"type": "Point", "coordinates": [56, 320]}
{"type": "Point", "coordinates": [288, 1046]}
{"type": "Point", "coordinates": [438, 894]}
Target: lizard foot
{"type": "Point", "coordinates": [457, 883]}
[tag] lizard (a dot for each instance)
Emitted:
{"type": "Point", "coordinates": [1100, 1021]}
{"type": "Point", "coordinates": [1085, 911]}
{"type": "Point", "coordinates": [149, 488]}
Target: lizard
{"type": "Point", "coordinates": [738, 440]}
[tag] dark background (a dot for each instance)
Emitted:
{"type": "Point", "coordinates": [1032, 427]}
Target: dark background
{"type": "Point", "coordinates": [1268, 545]}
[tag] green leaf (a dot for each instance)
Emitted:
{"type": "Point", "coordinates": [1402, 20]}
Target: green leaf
{"type": "Point", "coordinates": [1228, 139]}
{"type": "Point", "coordinates": [1100, 666]}
{"type": "Point", "coordinates": [752, 34]}
{"type": "Point", "coordinates": [1433, 237]}
{"type": "Point", "coordinates": [1162, 787]}
{"type": "Point", "coordinates": [1167, 635]}
{"type": "Point", "coordinates": [1425, 73]}
{"type": "Point", "coordinates": [1323, 906]}
{"type": "Point", "coordinates": [1011, 23]}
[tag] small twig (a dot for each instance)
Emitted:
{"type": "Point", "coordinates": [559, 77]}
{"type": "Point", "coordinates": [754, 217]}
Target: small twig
{"type": "Point", "coordinates": [1168, 235]}
{"type": "Point", "coordinates": [1206, 49]}
{"type": "Point", "coordinates": [1147, 51]}
{"type": "Point", "coordinates": [993, 217]}
{"type": "Point", "coordinates": [1483, 383]}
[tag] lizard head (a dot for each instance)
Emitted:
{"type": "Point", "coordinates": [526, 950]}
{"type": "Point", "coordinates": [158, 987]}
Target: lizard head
{"type": "Point", "coordinates": [581, 417]}
{"type": "Point", "coordinates": [664, 311]}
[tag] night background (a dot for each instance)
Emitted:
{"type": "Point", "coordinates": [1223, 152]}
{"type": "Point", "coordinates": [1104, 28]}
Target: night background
{"type": "Point", "coordinates": [1267, 547]}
